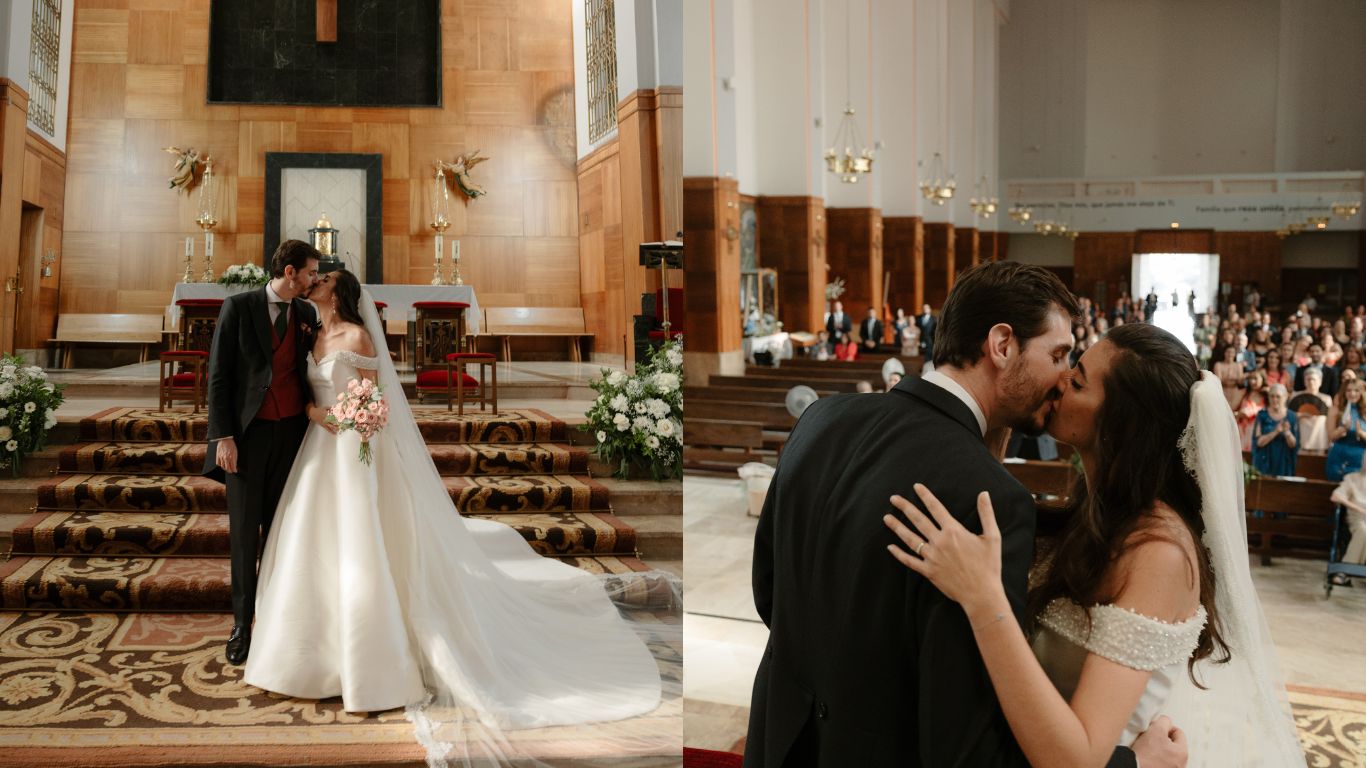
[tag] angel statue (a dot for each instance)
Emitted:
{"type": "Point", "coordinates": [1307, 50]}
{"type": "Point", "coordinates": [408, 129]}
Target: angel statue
{"type": "Point", "coordinates": [460, 171]}
{"type": "Point", "coordinates": [187, 163]}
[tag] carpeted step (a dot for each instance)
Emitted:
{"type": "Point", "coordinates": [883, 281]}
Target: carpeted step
{"type": "Point", "coordinates": [180, 458]}
{"type": "Point", "coordinates": [189, 583]}
{"type": "Point", "coordinates": [519, 425]}
{"type": "Point", "coordinates": [103, 533]}
{"type": "Point", "coordinates": [192, 493]}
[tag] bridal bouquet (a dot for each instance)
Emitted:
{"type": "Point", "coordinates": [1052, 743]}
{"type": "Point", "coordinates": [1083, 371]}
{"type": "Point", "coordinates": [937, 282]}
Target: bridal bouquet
{"type": "Point", "coordinates": [361, 407]}
{"type": "Point", "coordinates": [639, 419]}
{"type": "Point", "coordinates": [244, 274]}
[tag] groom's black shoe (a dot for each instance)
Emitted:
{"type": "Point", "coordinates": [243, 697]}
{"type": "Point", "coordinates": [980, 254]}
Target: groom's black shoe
{"type": "Point", "coordinates": [239, 642]}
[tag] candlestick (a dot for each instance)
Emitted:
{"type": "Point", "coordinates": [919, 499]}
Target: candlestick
{"type": "Point", "coordinates": [437, 278]}
{"type": "Point", "coordinates": [188, 277]}
{"type": "Point", "coordinates": [455, 263]}
{"type": "Point", "coordinates": [208, 276]}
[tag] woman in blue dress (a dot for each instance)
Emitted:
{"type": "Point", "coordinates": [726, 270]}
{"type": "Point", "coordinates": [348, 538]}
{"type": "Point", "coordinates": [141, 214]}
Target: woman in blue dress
{"type": "Point", "coordinates": [1349, 434]}
{"type": "Point", "coordinates": [1275, 436]}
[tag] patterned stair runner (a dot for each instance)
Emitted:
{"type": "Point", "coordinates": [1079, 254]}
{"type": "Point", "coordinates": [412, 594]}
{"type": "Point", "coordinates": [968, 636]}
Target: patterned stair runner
{"type": "Point", "coordinates": [128, 524]}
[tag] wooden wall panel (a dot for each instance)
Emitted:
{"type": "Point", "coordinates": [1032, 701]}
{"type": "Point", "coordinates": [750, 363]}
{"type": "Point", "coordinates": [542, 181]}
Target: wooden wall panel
{"type": "Point", "coordinates": [1102, 257]}
{"type": "Point", "coordinates": [792, 240]}
{"type": "Point", "coordinates": [1174, 241]}
{"type": "Point", "coordinates": [1247, 258]}
{"type": "Point", "coordinates": [966, 249]}
{"type": "Point", "coordinates": [599, 229]}
{"type": "Point", "coordinates": [854, 252]}
{"type": "Point", "coordinates": [903, 255]}
{"type": "Point", "coordinates": [940, 263]}
{"type": "Point", "coordinates": [139, 84]}
{"type": "Point", "coordinates": [711, 216]}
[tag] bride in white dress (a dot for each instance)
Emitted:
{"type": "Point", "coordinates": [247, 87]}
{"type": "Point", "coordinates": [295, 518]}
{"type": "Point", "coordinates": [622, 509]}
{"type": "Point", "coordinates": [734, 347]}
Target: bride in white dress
{"type": "Point", "coordinates": [1146, 607]}
{"type": "Point", "coordinates": [374, 588]}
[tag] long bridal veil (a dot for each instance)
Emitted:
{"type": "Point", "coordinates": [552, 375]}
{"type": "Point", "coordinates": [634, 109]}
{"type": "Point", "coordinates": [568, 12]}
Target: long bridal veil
{"type": "Point", "coordinates": [1243, 716]}
{"type": "Point", "coordinates": [511, 640]}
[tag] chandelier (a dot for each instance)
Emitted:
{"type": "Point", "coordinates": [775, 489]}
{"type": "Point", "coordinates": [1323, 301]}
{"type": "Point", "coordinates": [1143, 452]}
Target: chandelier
{"type": "Point", "coordinates": [1346, 210]}
{"type": "Point", "coordinates": [1020, 213]}
{"type": "Point", "coordinates": [1317, 222]}
{"type": "Point", "coordinates": [939, 188]}
{"type": "Point", "coordinates": [848, 157]}
{"type": "Point", "coordinates": [981, 203]}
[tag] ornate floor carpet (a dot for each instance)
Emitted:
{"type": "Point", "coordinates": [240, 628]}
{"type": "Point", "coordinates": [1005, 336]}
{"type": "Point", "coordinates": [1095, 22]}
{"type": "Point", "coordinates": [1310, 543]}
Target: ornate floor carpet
{"type": "Point", "coordinates": [115, 602]}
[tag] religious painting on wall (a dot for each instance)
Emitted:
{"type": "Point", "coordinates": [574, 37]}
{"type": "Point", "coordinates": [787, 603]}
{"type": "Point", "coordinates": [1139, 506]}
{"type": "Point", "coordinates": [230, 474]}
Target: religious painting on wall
{"type": "Point", "coordinates": [363, 53]}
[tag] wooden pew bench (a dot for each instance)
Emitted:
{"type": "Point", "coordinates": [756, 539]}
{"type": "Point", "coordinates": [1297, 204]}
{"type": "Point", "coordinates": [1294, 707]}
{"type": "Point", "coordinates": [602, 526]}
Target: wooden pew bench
{"type": "Point", "coordinates": [503, 324]}
{"type": "Point", "coordinates": [722, 445]}
{"type": "Point", "coordinates": [1289, 517]}
{"type": "Point", "coordinates": [75, 329]}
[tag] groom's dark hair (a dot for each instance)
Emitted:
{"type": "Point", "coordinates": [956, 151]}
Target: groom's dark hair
{"type": "Point", "coordinates": [1019, 295]}
{"type": "Point", "coordinates": [292, 253]}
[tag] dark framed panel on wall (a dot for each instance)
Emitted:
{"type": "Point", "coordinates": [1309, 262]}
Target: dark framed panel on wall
{"type": "Point", "coordinates": [371, 164]}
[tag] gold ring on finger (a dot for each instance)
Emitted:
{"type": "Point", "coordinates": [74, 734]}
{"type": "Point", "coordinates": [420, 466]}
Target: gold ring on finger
{"type": "Point", "coordinates": [923, 544]}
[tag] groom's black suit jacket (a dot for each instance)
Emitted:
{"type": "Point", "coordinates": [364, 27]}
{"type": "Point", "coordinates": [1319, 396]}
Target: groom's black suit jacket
{"type": "Point", "coordinates": [240, 368]}
{"type": "Point", "coordinates": [868, 663]}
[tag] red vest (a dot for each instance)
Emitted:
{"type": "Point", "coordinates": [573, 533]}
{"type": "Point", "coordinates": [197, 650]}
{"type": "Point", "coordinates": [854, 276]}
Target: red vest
{"type": "Point", "coordinates": [285, 397]}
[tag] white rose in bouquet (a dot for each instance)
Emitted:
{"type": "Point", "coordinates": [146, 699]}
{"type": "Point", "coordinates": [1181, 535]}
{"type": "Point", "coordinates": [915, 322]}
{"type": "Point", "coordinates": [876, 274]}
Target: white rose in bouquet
{"type": "Point", "coordinates": [616, 378]}
{"type": "Point", "coordinates": [622, 423]}
{"type": "Point", "coordinates": [6, 433]}
{"type": "Point", "coordinates": [666, 382]}
{"type": "Point", "coordinates": [664, 428]}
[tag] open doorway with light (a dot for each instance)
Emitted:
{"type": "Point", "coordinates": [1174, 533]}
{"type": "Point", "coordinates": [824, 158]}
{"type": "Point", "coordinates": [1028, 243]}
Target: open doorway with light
{"type": "Point", "coordinates": [1185, 284]}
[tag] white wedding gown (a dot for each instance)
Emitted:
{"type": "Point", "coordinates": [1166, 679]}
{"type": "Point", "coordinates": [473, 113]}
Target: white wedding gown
{"type": "Point", "coordinates": [373, 588]}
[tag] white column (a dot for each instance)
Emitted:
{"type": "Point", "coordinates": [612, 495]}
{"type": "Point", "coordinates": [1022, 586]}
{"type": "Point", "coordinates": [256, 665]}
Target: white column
{"type": "Point", "coordinates": [897, 87]}
{"type": "Point", "coordinates": [785, 96]}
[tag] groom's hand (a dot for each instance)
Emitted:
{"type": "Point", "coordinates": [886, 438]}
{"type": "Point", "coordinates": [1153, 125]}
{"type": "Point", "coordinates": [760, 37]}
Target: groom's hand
{"type": "Point", "coordinates": [225, 455]}
{"type": "Point", "coordinates": [1163, 745]}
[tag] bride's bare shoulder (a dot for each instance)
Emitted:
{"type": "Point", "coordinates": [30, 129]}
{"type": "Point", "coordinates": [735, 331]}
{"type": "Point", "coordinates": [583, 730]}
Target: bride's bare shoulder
{"type": "Point", "coordinates": [356, 339]}
{"type": "Point", "coordinates": [1157, 573]}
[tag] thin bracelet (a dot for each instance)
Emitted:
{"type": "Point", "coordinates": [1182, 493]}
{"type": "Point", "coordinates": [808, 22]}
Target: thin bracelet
{"type": "Point", "coordinates": [985, 624]}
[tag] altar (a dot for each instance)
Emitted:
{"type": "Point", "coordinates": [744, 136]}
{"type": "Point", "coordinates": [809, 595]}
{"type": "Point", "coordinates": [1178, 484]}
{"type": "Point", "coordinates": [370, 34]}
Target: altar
{"type": "Point", "coordinates": [399, 298]}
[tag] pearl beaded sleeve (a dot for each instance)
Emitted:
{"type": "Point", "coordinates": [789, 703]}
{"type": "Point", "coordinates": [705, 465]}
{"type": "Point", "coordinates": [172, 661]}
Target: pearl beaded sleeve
{"type": "Point", "coordinates": [357, 360]}
{"type": "Point", "coordinates": [1123, 636]}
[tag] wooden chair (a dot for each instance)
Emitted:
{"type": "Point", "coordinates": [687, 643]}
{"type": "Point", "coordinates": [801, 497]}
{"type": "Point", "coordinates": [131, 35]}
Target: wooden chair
{"type": "Point", "coordinates": [184, 370]}
{"type": "Point", "coordinates": [455, 372]}
{"type": "Point", "coordinates": [188, 384]}
{"type": "Point", "coordinates": [440, 332]}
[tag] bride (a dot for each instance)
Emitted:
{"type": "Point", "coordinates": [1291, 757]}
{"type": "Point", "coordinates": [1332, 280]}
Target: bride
{"type": "Point", "coordinates": [1146, 606]}
{"type": "Point", "coordinates": [373, 587]}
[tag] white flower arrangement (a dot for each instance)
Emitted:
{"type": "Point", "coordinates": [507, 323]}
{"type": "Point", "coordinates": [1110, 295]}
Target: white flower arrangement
{"type": "Point", "coordinates": [244, 274]}
{"type": "Point", "coordinates": [638, 419]}
{"type": "Point", "coordinates": [28, 410]}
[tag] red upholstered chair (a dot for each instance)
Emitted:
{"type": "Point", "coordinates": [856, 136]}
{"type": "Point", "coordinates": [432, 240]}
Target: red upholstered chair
{"type": "Point", "coordinates": [189, 384]}
{"type": "Point", "coordinates": [676, 314]}
{"type": "Point", "coordinates": [183, 371]}
{"type": "Point", "coordinates": [440, 332]}
{"type": "Point", "coordinates": [456, 363]}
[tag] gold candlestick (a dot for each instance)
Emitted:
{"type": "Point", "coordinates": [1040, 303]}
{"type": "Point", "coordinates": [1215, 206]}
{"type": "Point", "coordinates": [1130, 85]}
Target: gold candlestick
{"type": "Point", "coordinates": [208, 216]}
{"type": "Point", "coordinates": [440, 225]}
{"type": "Point", "coordinates": [455, 263]}
{"type": "Point", "coordinates": [188, 277]}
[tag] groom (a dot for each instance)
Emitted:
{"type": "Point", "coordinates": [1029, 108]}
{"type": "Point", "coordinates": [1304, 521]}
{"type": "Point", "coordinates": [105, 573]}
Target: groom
{"type": "Point", "coordinates": [258, 403]}
{"type": "Point", "coordinates": [867, 663]}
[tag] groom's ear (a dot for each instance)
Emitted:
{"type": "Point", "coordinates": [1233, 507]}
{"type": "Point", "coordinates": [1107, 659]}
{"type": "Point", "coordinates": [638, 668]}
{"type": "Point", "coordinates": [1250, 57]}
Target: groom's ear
{"type": "Point", "coordinates": [1002, 345]}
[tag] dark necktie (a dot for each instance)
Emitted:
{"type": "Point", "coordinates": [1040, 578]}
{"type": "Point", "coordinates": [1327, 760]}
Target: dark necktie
{"type": "Point", "coordinates": [281, 320]}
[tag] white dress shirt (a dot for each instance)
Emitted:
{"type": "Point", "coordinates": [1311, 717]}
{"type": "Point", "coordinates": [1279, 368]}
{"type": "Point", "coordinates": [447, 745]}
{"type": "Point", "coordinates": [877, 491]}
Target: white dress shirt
{"type": "Point", "coordinates": [271, 306]}
{"type": "Point", "coordinates": [954, 388]}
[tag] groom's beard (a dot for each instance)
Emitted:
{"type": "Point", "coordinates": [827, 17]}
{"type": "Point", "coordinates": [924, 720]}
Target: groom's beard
{"type": "Point", "coordinates": [1035, 405]}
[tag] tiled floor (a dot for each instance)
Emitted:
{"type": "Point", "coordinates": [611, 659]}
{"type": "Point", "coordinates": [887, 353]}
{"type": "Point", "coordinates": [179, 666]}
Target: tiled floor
{"type": "Point", "coordinates": [1319, 639]}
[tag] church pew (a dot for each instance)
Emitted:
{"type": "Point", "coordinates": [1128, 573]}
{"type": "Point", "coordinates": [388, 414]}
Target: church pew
{"type": "Point", "coordinates": [117, 329]}
{"type": "Point", "coordinates": [873, 376]}
{"type": "Point", "coordinates": [746, 394]}
{"type": "Point", "coordinates": [1309, 464]}
{"type": "Point", "coordinates": [872, 363]}
{"type": "Point", "coordinates": [772, 416]}
{"type": "Point", "coordinates": [786, 382]}
{"type": "Point", "coordinates": [1043, 478]}
{"type": "Point", "coordinates": [1289, 517]}
{"type": "Point", "coordinates": [722, 446]}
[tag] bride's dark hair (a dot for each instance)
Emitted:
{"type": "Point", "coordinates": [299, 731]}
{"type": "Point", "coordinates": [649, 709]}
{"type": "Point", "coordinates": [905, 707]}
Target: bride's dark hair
{"type": "Point", "coordinates": [346, 287]}
{"type": "Point", "coordinates": [1146, 407]}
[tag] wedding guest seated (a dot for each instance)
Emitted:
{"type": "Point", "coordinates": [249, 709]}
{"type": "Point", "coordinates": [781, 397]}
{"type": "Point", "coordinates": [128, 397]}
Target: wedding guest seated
{"type": "Point", "coordinates": [1313, 407]}
{"type": "Point", "coordinates": [1352, 495]}
{"type": "Point", "coordinates": [1351, 360]}
{"type": "Point", "coordinates": [1276, 435]}
{"type": "Point", "coordinates": [821, 349]}
{"type": "Point", "coordinates": [900, 324]}
{"type": "Point", "coordinates": [864, 387]}
{"type": "Point", "coordinates": [1316, 361]}
{"type": "Point", "coordinates": [1349, 433]}
{"type": "Point", "coordinates": [1275, 371]}
{"type": "Point", "coordinates": [846, 349]}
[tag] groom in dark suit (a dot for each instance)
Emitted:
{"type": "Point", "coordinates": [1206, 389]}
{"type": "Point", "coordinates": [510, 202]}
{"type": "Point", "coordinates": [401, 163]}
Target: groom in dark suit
{"type": "Point", "coordinates": [258, 404]}
{"type": "Point", "coordinates": [867, 663]}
